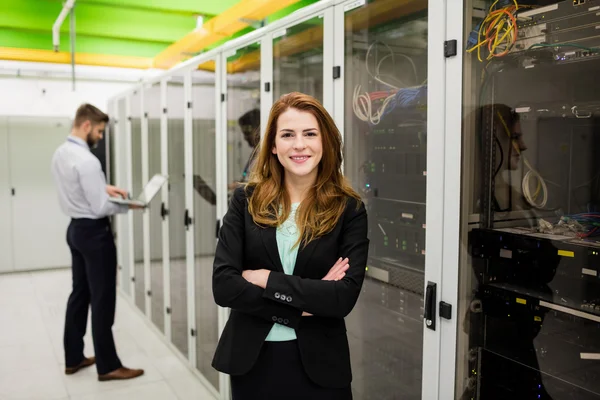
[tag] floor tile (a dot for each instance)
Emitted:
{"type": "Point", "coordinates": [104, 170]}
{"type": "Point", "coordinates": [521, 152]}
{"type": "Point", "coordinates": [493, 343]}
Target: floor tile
{"type": "Point", "coordinates": [149, 391]}
{"type": "Point", "coordinates": [41, 383]}
{"type": "Point", "coordinates": [32, 355]}
{"type": "Point", "coordinates": [25, 357]}
{"type": "Point", "coordinates": [188, 387]}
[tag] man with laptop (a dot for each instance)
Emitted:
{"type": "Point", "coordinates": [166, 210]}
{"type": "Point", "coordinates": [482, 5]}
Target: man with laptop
{"type": "Point", "coordinates": [86, 198]}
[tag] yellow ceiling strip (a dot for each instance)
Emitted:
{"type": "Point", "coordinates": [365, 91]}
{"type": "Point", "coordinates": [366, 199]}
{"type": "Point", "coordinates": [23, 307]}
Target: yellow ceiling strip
{"type": "Point", "coordinates": [220, 27]}
{"type": "Point", "coordinates": [49, 56]}
{"type": "Point", "coordinates": [379, 12]}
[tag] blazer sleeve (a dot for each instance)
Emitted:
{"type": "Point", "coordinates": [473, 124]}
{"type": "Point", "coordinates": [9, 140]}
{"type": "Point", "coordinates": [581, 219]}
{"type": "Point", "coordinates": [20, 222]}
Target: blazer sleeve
{"type": "Point", "coordinates": [329, 298]}
{"type": "Point", "coordinates": [230, 289]}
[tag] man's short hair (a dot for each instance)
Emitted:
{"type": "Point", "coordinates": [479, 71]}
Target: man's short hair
{"type": "Point", "coordinates": [87, 112]}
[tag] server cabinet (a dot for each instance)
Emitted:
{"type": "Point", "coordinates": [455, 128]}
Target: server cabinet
{"type": "Point", "coordinates": [179, 217]}
{"type": "Point", "coordinates": [135, 119]}
{"type": "Point", "coordinates": [388, 90]}
{"type": "Point", "coordinates": [529, 261]}
{"type": "Point", "coordinates": [157, 211]}
{"type": "Point", "coordinates": [204, 115]}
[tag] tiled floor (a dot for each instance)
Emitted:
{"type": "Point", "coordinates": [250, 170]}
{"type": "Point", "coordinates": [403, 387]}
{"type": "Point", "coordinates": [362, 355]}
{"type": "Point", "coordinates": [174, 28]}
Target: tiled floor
{"type": "Point", "coordinates": [32, 309]}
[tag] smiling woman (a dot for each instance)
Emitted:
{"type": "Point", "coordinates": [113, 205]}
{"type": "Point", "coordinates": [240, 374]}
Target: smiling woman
{"type": "Point", "coordinates": [290, 262]}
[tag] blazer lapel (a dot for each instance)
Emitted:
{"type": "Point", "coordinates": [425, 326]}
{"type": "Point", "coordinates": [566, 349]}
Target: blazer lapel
{"type": "Point", "coordinates": [304, 255]}
{"type": "Point", "coordinates": [269, 238]}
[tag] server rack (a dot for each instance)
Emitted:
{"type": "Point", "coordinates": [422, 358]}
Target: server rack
{"type": "Point", "coordinates": [533, 320]}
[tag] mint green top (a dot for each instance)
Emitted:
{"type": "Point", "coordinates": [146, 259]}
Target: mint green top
{"type": "Point", "coordinates": [287, 235]}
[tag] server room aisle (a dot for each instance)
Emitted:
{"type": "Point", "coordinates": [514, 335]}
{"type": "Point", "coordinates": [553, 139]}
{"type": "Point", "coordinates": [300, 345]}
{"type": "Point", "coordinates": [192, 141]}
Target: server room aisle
{"type": "Point", "coordinates": [32, 307]}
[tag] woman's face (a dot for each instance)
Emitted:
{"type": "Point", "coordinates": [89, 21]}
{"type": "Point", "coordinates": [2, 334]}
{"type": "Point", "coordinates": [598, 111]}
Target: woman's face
{"type": "Point", "coordinates": [298, 143]}
{"type": "Point", "coordinates": [518, 142]}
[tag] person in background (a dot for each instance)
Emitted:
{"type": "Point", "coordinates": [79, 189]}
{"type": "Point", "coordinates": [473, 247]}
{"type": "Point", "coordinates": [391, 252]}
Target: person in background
{"type": "Point", "coordinates": [290, 263]}
{"type": "Point", "coordinates": [250, 125]}
{"type": "Point", "coordinates": [84, 197]}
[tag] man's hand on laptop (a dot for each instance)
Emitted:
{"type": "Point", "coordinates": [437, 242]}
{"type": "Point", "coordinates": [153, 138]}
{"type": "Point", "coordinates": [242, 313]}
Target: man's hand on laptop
{"type": "Point", "coordinates": [114, 191]}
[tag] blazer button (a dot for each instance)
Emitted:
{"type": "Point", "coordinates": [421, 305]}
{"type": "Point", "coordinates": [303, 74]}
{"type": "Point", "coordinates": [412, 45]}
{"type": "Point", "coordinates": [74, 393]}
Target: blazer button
{"type": "Point", "coordinates": [277, 295]}
{"type": "Point", "coordinates": [289, 299]}
{"type": "Point", "coordinates": [286, 321]}
{"type": "Point", "coordinates": [280, 320]}
{"type": "Point", "coordinates": [274, 318]}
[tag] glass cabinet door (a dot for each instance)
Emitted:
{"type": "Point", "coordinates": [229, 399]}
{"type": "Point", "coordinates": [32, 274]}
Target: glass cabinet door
{"type": "Point", "coordinates": [243, 113]}
{"type": "Point", "coordinates": [177, 226]}
{"type": "Point", "coordinates": [530, 252]}
{"type": "Point", "coordinates": [152, 108]}
{"type": "Point", "coordinates": [137, 185]}
{"type": "Point", "coordinates": [205, 215]}
{"type": "Point", "coordinates": [298, 59]}
{"type": "Point", "coordinates": [385, 85]}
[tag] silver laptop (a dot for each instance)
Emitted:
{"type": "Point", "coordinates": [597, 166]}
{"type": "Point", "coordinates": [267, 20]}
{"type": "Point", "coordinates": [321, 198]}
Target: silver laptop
{"type": "Point", "coordinates": [150, 190]}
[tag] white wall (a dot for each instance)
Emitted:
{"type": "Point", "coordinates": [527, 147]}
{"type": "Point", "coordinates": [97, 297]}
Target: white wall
{"type": "Point", "coordinates": [42, 93]}
{"type": "Point", "coordinates": [46, 90]}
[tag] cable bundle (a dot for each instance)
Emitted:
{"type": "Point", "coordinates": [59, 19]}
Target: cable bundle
{"type": "Point", "coordinates": [497, 32]}
{"type": "Point", "coordinates": [590, 222]}
{"type": "Point", "coordinates": [405, 97]}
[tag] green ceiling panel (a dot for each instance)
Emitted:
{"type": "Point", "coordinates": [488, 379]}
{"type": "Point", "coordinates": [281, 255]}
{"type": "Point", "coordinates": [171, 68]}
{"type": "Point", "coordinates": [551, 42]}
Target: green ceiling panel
{"type": "Point", "coordinates": [140, 28]}
{"type": "Point", "coordinates": [39, 41]}
{"type": "Point", "coordinates": [96, 20]}
{"type": "Point", "coordinates": [204, 7]}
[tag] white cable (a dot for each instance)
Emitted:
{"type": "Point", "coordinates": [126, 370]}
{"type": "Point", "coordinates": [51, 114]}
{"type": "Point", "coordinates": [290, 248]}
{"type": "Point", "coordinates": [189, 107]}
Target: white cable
{"type": "Point", "coordinates": [414, 67]}
{"type": "Point", "coordinates": [525, 184]}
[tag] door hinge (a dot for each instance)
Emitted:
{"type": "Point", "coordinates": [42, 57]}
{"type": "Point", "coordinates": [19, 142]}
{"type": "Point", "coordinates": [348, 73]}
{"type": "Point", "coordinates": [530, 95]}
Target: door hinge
{"type": "Point", "coordinates": [129, 119]}
{"type": "Point", "coordinates": [223, 97]}
{"type": "Point", "coordinates": [450, 48]}
{"type": "Point", "coordinates": [165, 110]}
{"type": "Point", "coordinates": [337, 72]}
{"type": "Point", "coordinates": [145, 115]}
{"type": "Point", "coordinates": [189, 104]}
{"type": "Point", "coordinates": [267, 87]}
{"type": "Point", "coordinates": [218, 228]}
{"type": "Point", "coordinates": [445, 310]}
{"type": "Point", "coordinates": [193, 332]}
{"type": "Point", "coordinates": [149, 293]}
{"type": "Point", "coordinates": [12, 191]}
{"type": "Point", "coordinates": [168, 310]}
{"type": "Point", "coordinates": [133, 279]}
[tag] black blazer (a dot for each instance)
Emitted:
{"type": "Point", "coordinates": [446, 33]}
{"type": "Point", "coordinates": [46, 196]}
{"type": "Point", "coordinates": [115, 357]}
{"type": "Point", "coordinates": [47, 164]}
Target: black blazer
{"type": "Point", "coordinates": [322, 338]}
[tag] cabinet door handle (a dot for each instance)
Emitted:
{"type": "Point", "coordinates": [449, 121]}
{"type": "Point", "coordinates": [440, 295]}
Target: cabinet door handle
{"type": "Point", "coordinates": [187, 221]}
{"type": "Point", "coordinates": [430, 305]}
{"type": "Point", "coordinates": [163, 211]}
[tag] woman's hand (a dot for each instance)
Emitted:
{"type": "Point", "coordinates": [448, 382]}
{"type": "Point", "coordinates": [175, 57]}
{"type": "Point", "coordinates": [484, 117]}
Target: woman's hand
{"type": "Point", "coordinates": [338, 271]}
{"type": "Point", "coordinates": [257, 277]}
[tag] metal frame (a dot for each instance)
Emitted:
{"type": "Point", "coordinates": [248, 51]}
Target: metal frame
{"type": "Point", "coordinates": [452, 197]}
{"type": "Point", "coordinates": [164, 147]}
{"type": "Point", "coordinates": [128, 184]}
{"type": "Point", "coordinates": [221, 161]}
{"type": "Point", "coordinates": [266, 75]}
{"type": "Point", "coordinates": [146, 215]}
{"type": "Point", "coordinates": [189, 206]}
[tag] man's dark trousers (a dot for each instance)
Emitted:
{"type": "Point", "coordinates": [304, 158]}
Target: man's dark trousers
{"type": "Point", "coordinates": [94, 282]}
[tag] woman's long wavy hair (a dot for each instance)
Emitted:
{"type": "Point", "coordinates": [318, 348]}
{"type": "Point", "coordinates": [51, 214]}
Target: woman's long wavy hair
{"type": "Point", "coordinates": [270, 204]}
